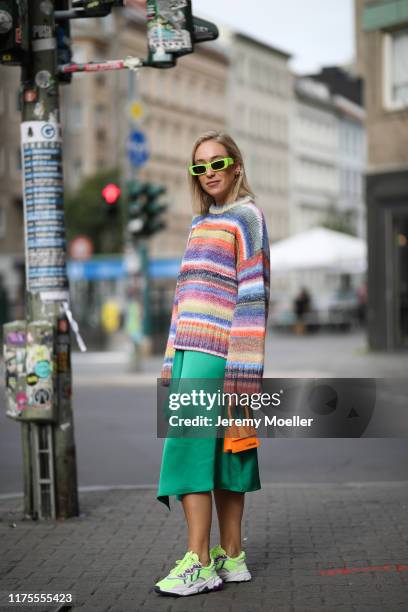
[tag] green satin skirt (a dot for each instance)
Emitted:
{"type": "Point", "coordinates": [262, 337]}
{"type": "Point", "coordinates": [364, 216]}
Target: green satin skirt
{"type": "Point", "coordinates": [192, 465]}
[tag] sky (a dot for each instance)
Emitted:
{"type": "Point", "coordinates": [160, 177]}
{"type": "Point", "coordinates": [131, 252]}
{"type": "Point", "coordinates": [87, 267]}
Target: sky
{"type": "Point", "coordinates": [316, 32]}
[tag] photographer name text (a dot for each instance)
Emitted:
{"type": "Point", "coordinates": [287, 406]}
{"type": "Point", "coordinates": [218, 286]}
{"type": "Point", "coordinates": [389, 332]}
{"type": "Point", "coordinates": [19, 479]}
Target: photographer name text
{"type": "Point", "coordinates": [205, 421]}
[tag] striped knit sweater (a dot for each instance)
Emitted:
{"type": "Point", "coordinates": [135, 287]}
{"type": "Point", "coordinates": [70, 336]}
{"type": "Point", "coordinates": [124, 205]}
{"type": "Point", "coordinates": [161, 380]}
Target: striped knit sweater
{"type": "Point", "coordinates": [222, 292]}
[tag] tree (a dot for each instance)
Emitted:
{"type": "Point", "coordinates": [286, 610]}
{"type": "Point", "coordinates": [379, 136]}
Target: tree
{"type": "Point", "coordinates": [338, 221]}
{"type": "Point", "coordinates": [85, 213]}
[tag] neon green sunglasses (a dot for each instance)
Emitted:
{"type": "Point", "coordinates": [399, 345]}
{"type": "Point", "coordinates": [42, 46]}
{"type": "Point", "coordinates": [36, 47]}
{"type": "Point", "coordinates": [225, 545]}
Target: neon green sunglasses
{"type": "Point", "coordinates": [216, 165]}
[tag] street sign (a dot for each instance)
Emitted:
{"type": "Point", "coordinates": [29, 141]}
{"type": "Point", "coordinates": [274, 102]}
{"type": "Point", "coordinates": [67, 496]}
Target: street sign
{"type": "Point", "coordinates": [137, 148]}
{"type": "Point", "coordinates": [136, 111]}
{"type": "Point", "coordinates": [81, 248]}
{"type": "Point", "coordinates": [97, 269]}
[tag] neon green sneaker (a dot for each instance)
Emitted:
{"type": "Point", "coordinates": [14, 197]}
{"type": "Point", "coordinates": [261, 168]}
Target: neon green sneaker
{"type": "Point", "coordinates": [230, 569]}
{"type": "Point", "coordinates": [190, 577]}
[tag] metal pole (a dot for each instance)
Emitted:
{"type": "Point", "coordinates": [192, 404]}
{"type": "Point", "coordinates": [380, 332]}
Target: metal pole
{"type": "Point", "coordinates": [129, 63]}
{"type": "Point", "coordinates": [27, 470]}
{"type": "Point", "coordinates": [47, 290]}
{"type": "Point", "coordinates": [144, 256]}
{"type": "Point", "coordinates": [136, 277]}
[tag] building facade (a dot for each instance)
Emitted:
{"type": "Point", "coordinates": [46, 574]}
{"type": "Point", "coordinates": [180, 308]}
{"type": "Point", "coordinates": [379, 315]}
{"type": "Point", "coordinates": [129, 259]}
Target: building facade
{"type": "Point", "coordinates": [351, 164]}
{"type": "Point", "coordinates": [328, 148]}
{"type": "Point", "coordinates": [382, 59]}
{"type": "Point", "coordinates": [314, 146]}
{"type": "Point", "coordinates": [11, 203]}
{"type": "Point", "coordinates": [259, 102]}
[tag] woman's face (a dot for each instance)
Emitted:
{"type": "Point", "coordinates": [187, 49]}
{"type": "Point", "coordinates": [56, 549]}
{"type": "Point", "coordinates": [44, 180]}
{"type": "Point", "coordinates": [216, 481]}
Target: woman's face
{"type": "Point", "coordinates": [217, 184]}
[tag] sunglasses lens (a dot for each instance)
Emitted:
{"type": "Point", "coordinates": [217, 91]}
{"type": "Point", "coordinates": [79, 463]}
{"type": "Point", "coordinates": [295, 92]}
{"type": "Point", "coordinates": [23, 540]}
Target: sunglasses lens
{"type": "Point", "coordinates": [219, 164]}
{"type": "Point", "coordinates": [198, 169]}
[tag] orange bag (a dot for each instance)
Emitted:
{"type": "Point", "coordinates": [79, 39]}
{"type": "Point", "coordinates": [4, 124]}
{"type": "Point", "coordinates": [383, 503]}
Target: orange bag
{"type": "Point", "coordinates": [238, 438]}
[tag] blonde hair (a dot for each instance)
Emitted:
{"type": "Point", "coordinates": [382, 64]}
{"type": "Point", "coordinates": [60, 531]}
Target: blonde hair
{"type": "Point", "coordinates": [201, 199]}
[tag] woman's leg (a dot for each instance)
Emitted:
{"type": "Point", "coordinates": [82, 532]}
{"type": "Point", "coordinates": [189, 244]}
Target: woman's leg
{"type": "Point", "coordinates": [198, 506]}
{"type": "Point", "coordinates": [230, 509]}
{"type": "Point", "coordinates": [198, 511]}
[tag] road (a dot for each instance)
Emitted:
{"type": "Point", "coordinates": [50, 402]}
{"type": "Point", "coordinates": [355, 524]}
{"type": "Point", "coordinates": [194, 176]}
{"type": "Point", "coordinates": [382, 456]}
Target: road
{"type": "Point", "coordinates": [115, 420]}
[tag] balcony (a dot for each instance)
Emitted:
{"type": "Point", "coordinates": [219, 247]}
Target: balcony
{"type": "Point", "coordinates": [382, 14]}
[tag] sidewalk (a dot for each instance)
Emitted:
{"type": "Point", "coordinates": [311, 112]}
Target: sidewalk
{"type": "Point", "coordinates": [315, 356]}
{"type": "Point", "coordinates": [322, 355]}
{"type": "Point", "coordinates": [294, 534]}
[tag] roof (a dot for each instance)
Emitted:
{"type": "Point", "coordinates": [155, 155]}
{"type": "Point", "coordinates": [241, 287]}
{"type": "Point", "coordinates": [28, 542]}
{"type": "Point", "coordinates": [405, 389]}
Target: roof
{"type": "Point", "coordinates": [263, 45]}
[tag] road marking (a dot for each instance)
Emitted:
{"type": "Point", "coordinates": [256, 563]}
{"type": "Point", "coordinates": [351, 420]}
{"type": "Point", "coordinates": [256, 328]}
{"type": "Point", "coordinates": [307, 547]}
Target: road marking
{"type": "Point", "coordinates": [367, 568]}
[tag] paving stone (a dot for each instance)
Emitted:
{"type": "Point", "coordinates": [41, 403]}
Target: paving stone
{"type": "Point", "coordinates": [110, 560]}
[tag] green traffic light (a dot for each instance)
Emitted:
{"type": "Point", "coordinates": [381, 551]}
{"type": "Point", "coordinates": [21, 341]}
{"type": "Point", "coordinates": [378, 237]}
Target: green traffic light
{"type": "Point", "coordinates": [154, 191]}
{"type": "Point", "coordinates": [135, 189]}
{"type": "Point", "coordinates": [144, 209]}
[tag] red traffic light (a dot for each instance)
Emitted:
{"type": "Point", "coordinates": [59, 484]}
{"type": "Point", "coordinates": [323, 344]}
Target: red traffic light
{"type": "Point", "coordinates": [111, 193]}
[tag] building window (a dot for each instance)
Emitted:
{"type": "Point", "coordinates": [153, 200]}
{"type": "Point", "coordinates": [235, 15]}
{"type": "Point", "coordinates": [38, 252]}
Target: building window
{"type": "Point", "coordinates": [2, 220]}
{"type": "Point", "coordinates": [76, 173]}
{"type": "Point", "coordinates": [100, 79]}
{"type": "Point", "coordinates": [75, 117]}
{"type": "Point", "coordinates": [395, 70]}
{"type": "Point", "coordinates": [99, 115]}
{"type": "Point", "coordinates": [101, 135]}
{"type": "Point", "coordinates": [254, 72]}
{"type": "Point", "coordinates": [240, 67]}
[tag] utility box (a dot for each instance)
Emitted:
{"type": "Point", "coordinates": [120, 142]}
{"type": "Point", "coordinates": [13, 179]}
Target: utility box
{"type": "Point", "coordinates": [30, 370]}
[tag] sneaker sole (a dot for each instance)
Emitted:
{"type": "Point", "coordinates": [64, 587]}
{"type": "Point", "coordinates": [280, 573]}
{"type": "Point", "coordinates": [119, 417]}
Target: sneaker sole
{"type": "Point", "coordinates": [234, 576]}
{"type": "Point", "coordinates": [213, 584]}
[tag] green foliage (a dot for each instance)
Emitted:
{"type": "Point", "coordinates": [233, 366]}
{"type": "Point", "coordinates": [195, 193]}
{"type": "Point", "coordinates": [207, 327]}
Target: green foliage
{"type": "Point", "coordinates": [86, 213]}
{"type": "Point", "coordinates": [338, 221]}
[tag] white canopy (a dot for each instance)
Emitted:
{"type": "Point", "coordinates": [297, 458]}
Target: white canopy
{"type": "Point", "coordinates": [320, 248]}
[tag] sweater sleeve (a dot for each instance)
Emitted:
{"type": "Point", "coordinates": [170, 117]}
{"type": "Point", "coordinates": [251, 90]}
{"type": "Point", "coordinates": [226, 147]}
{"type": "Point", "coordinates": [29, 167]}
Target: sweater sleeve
{"type": "Point", "coordinates": [245, 359]}
{"type": "Point", "coordinates": [170, 350]}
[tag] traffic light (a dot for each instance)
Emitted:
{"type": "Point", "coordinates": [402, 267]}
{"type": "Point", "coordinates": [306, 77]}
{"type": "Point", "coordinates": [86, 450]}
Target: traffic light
{"type": "Point", "coordinates": [13, 31]}
{"type": "Point", "coordinates": [172, 31]}
{"type": "Point", "coordinates": [111, 194]}
{"type": "Point", "coordinates": [144, 209]}
{"type": "Point", "coordinates": [154, 209]}
{"type": "Point", "coordinates": [137, 199]}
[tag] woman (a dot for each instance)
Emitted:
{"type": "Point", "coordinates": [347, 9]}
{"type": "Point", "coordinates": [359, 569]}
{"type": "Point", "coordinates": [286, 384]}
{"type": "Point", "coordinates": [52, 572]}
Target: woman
{"type": "Point", "coordinates": [217, 330]}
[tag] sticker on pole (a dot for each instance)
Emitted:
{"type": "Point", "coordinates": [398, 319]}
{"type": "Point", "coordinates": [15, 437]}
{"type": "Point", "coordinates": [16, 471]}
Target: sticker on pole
{"type": "Point", "coordinates": [136, 111]}
{"type": "Point", "coordinates": [137, 148]}
{"type": "Point", "coordinates": [41, 151]}
{"type": "Point", "coordinates": [40, 131]}
{"type": "Point", "coordinates": [168, 26]}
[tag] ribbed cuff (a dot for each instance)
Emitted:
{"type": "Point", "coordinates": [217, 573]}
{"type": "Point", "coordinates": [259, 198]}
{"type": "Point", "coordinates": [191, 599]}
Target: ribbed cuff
{"type": "Point", "coordinates": [204, 337]}
{"type": "Point", "coordinates": [166, 376]}
{"type": "Point", "coordinates": [242, 380]}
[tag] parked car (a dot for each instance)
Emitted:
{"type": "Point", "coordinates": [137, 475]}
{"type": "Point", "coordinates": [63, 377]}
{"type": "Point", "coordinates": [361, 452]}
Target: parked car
{"type": "Point", "coordinates": [342, 310]}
